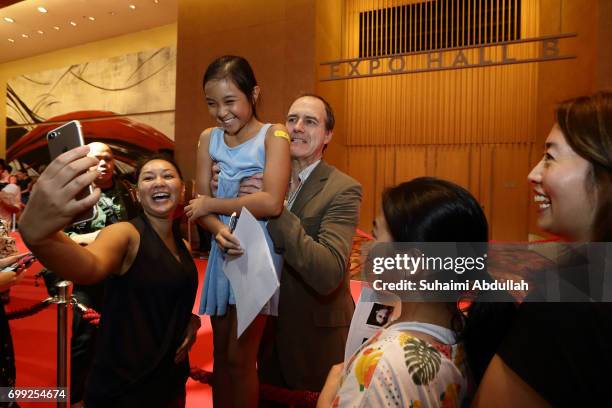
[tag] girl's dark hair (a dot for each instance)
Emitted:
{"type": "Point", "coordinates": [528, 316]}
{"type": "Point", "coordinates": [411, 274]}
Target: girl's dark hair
{"type": "Point", "coordinates": [238, 70]}
{"type": "Point", "coordinates": [586, 123]}
{"type": "Point", "coordinates": [427, 209]}
{"type": "Point", "coordinates": [156, 156]}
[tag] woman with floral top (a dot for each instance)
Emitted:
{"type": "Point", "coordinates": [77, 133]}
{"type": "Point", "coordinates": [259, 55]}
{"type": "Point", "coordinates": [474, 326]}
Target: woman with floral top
{"type": "Point", "coordinates": [418, 360]}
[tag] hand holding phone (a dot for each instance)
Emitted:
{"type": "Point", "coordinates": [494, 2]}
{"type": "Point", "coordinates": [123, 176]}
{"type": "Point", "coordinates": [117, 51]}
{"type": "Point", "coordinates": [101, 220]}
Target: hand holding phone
{"type": "Point", "coordinates": [62, 139]}
{"type": "Point", "coordinates": [21, 264]}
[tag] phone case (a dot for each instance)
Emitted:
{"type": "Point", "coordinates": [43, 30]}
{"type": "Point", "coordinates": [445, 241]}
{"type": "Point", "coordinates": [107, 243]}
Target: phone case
{"type": "Point", "coordinates": [62, 139]}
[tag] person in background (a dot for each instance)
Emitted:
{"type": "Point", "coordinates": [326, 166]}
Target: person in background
{"type": "Point", "coordinates": [7, 362]}
{"type": "Point", "coordinates": [25, 185]}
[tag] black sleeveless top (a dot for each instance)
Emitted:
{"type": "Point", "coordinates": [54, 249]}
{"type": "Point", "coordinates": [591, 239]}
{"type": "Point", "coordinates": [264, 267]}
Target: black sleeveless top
{"type": "Point", "coordinates": [146, 312]}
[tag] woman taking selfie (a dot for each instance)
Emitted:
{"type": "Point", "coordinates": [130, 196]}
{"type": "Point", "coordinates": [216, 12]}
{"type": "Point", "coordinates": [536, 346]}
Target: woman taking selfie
{"type": "Point", "coordinates": [147, 327]}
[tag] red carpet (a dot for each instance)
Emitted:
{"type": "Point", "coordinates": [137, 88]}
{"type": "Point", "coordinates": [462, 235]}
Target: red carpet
{"type": "Point", "coordinates": [34, 339]}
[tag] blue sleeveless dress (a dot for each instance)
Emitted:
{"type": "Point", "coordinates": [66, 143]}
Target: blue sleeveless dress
{"type": "Point", "coordinates": [235, 163]}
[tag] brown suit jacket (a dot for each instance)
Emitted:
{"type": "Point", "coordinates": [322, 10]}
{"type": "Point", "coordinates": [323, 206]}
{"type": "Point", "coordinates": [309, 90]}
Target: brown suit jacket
{"type": "Point", "coordinates": [315, 305]}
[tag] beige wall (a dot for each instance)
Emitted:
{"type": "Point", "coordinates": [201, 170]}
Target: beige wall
{"type": "Point", "coordinates": [143, 40]}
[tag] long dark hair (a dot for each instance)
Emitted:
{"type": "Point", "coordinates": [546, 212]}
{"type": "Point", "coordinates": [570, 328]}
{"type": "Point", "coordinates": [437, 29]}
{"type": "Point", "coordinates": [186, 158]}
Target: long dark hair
{"type": "Point", "coordinates": [427, 209]}
{"type": "Point", "coordinates": [586, 123]}
{"type": "Point", "coordinates": [239, 71]}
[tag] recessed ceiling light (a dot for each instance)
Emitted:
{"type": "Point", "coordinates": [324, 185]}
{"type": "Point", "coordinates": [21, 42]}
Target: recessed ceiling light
{"type": "Point", "coordinates": [133, 7]}
{"type": "Point", "coordinates": [9, 20]}
{"type": "Point", "coordinates": [56, 28]}
{"type": "Point", "coordinates": [156, 1]}
{"type": "Point", "coordinates": [91, 18]}
{"type": "Point", "coordinates": [72, 23]}
{"type": "Point", "coordinates": [40, 32]}
{"type": "Point", "coordinates": [11, 40]}
{"type": "Point", "coordinates": [42, 9]}
{"type": "Point", "coordinates": [25, 36]}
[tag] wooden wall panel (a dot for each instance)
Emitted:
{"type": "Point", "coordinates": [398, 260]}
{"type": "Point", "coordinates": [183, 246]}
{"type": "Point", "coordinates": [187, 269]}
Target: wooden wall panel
{"type": "Point", "coordinates": [362, 166]}
{"type": "Point", "coordinates": [453, 163]}
{"type": "Point", "coordinates": [510, 192]}
{"type": "Point", "coordinates": [455, 124]}
{"type": "Point", "coordinates": [478, 105]}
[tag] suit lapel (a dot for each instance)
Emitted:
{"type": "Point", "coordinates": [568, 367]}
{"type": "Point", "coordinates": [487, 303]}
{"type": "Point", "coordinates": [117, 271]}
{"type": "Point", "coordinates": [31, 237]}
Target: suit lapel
{"type": "Point", "coordinates": [314, 183]}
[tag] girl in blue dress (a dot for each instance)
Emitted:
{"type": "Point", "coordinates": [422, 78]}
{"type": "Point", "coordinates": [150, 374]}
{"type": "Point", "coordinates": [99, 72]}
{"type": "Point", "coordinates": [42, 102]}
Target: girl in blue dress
{"type": "Point", "coordinates": [242, 146]}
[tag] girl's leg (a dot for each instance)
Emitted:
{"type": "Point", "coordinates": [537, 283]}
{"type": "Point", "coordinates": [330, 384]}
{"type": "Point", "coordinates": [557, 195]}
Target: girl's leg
{"type": "Point", "coordinates": [242, 360]}
{"type": "Point", "coordinates": [221, 386]}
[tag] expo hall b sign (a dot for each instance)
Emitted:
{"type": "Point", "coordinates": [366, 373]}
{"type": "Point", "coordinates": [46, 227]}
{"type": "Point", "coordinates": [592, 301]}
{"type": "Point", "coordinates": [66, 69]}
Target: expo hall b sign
{"type": "Point", "coordinates": [444, 60]}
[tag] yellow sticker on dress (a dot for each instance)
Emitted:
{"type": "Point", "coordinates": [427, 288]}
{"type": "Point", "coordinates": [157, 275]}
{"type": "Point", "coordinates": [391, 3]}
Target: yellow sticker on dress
{"type": "Point", "coordinates": [283, 134]}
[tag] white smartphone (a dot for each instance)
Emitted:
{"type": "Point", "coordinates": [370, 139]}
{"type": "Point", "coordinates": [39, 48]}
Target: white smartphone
{"type": "Point", "coordinates": [62, 139]}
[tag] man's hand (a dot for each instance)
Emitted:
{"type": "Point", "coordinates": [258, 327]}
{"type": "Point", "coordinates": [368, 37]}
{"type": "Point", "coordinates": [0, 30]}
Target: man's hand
{"type": "Point", "coordinates": [189, 340]}
{"type": "Point", "coordinates": [253, 184]}
{"type": "Point", "coordinates": [250, 185]}
{"type": "Point", "coordinates": [214, 181]}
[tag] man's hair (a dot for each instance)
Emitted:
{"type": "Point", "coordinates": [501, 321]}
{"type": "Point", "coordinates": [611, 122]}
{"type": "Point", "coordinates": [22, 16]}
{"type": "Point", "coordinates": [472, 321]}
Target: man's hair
{"type": "Point", "coordinates": [330, 119]}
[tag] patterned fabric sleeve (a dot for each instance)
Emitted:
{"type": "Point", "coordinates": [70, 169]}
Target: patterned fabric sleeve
{"type": "Point", "coordinates": [401, 371]}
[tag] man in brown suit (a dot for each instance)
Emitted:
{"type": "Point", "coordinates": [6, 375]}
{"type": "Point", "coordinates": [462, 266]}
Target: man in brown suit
{"type": "Point", "coordinates": [314, 234]}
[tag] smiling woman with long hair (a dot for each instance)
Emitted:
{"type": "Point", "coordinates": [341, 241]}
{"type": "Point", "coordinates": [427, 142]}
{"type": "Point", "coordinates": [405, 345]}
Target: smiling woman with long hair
{"type": "Point", "coordinates": [147, 327]}
{"type": "Point", "coordinates": [560, 353]}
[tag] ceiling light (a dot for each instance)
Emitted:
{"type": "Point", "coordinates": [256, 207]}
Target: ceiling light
{"type": "Point", "coordinates": [112, 13]}
{"type": "Point", "coordinates": [42, 9]}
{"type": "Point", "coordinates": [156, 1]}
{"type": "Point", "coordinates": [72, 23]}
{"type": "Point", "coordinates": [91, 18]}
{"type": "Point", "coordinates": [133, 7]}
{"type": "Point", "coordinates": [40, 32]}
{"type": "Point", "coordinates": [11, 40]}
{"type": "Point", "coordinates": [25, 36]}
{"type": "Point", "coordinates": [9, 20]}
{"type": "Point", "coordinates": [56, 28]}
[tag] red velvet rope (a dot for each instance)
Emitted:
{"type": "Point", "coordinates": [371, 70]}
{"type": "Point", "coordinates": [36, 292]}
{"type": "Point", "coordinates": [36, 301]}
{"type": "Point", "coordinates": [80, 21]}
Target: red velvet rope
{"type": "Point", "coordinates": [27, 311]}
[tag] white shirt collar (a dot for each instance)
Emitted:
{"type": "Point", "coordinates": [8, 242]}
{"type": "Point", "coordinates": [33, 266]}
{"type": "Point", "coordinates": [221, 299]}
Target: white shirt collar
{"type": "Point", "coordinates": [305, 173]}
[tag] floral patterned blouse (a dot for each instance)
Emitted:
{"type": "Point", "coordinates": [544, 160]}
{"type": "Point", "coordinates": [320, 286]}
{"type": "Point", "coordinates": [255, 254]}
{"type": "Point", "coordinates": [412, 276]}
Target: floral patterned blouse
{"type": "Point", "coordinates": [396, 369]}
